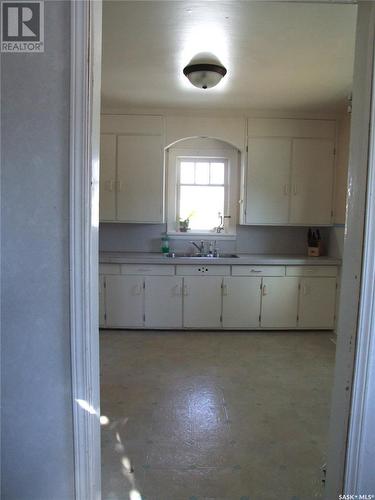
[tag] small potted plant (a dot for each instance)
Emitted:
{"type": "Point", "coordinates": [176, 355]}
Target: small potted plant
{"type": "Point", "coordinates": [183, 224]}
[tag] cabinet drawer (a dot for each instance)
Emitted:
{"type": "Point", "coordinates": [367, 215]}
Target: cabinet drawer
{"type": "Point", "coordinates": [329, 271]}
{"type": "Point", "coordinates": [201, 270]}
{"type": "Point", "coordinates": [109, 269]}
{"type": "Point", "coordinates": [147, 270]}
{"type": "Point", "coordinates": [258, 270]}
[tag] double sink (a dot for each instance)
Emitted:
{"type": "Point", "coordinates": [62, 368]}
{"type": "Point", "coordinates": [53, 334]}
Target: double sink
{"type": "Point", "coordinates": [178, 255]}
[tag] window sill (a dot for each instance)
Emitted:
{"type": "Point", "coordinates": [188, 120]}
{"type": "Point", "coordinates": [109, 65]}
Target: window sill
{"type": "Point", "coordinates": [200, 235]}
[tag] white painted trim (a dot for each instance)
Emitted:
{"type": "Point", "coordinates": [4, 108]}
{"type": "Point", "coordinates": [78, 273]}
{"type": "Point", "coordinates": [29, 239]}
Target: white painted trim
{"type": "Point", "coordinates": [350, 297]}
{"type": "Point", "coordinates": [365, 334]}
{"type": "Point", "coordinates": [84, 207]}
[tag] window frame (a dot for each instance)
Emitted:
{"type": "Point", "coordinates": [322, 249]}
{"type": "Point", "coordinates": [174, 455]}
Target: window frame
{"type": "Point", "coordinates": [231, 158]}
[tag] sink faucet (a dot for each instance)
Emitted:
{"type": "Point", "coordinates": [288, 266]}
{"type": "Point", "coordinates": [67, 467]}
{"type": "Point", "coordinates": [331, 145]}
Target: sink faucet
{"type": "Point", "coordinates": [199, 247]}
{"type": "Point", "coordinates": [222, 217]}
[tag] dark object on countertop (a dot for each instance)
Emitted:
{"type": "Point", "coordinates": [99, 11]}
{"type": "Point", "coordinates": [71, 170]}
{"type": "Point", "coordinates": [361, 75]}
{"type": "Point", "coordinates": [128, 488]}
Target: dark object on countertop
{"type": "Point", "coordinates": [314, 243]}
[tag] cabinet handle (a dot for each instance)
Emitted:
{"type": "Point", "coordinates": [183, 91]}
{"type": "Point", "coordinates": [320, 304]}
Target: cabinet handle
{"type": "Point", "coordinates": [264, 290]}
{"type": "Point", "coordinates": [119, 186]}
{"type": "Point", "coordinates": [225, 290]}
{"type": "Point", "coordinates": [295, 191]}
{"type": "Point", "coordinates": [109, 185]}
{"type": "Point", "coordinates": [255, 271]}
{"type": "Point", "coordinates": [286, 189]}
{"type": "Point", "coordinates": [176, 290]}
{"type": "Point", "coordinates": [304, 290]}
{"type": "Point", "coordinates": [137, 290]}
{"type": "Point", "coordinates": [185, 290]}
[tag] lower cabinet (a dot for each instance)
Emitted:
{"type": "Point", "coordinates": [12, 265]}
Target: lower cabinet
{"type": "Point", "coordinates": [317, 303]}
{"type": "Point", "coordinates": [101, 302]}
{"type": "Point", "coordinates": [163, 302]}
{"type": "Point", "coordinates": [202, 301]}
{"type": "Point", "coordinates": [124, 301]}
{"type": "Point", "coordinates": [241, 302]}
{"type": "Point", "coordinates": [279, 302]}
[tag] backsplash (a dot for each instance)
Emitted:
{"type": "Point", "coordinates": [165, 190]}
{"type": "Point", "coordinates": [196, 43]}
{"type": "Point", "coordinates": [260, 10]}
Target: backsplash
{"type": "Point", "coordinates": [284, 240]}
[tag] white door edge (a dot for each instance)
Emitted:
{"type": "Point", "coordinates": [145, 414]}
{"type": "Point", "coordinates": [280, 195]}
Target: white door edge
{"type": "Point", "coordinates": [84, 222]}
{"type": "Point", "coordinates": [350, 335]}
{"type": "Point", "coordinates": [363, 394]}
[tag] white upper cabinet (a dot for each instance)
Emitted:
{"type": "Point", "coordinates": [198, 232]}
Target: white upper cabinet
{"type": "Point", "coordinates": [132, 169]}
{"type": "Point", "coordinates": [312, 181]}
{"type": "Point", "coordinates": [290, 172]}
{"type": "Point", "coordinates": [107, 177]}
{"type": "Point", "coordinates": [140, 179]}
{"type": "Point", "coordinates": [267, 180]}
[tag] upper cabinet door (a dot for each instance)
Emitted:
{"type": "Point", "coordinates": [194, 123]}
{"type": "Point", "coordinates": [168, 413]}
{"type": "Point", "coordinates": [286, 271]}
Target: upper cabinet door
{"type": "Point", "coordinates": [107, 177]}
{"type": "Point", "coordinates": [268, 180]}
{"type": "Point", "coordinates": [140, 178]}
{"type": "Point", "coordinates": [312, 178]}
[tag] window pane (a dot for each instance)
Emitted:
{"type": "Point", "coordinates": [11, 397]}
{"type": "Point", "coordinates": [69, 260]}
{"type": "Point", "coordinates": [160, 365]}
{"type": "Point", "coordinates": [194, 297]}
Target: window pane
{"type": "Point", "coordinates": [187, 172]}
{"type": "Point", "coordinates": [201, 204]}
{"type": "Point", "coordinates": [202, 173]}
{"type": "Point", "coordinates": [217, 173]}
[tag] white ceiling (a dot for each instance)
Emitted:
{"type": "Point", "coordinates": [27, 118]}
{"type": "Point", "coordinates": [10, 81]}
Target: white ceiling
{"type": "Point", "coordinates": [279, 55]}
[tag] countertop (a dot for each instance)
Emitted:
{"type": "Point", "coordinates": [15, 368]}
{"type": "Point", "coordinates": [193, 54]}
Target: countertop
{"type": "Point", "coordinates": [242, 259]}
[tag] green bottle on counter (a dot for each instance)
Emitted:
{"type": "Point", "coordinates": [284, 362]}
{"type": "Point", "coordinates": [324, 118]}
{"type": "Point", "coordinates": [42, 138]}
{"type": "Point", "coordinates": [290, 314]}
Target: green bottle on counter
{"type": "Point", "coordinates": [165, 243]}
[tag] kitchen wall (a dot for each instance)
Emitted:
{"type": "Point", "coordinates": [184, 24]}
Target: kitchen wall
{"type": "Point", "coordinates": [36, 408]}
{"type": "Point", "coordinates": [251, 239]}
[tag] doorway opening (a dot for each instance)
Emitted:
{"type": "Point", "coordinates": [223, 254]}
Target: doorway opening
{"type": "Point", "coordinates": [212, 379]}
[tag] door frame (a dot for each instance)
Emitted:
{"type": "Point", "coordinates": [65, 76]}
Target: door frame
{"type": "Point", "coordinates": [86, 29]}
{"type": "Point", "coordinates": [356, 308]}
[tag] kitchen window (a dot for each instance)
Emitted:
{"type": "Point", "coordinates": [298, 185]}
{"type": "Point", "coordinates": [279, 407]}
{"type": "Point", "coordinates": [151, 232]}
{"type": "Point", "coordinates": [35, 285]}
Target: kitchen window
{"type": "Point", "coordinates": [201, 194]}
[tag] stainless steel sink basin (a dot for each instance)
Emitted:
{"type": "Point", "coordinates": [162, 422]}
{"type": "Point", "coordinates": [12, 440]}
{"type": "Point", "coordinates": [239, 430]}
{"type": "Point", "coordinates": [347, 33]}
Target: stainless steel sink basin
{"type": "Point", "coordinates": [177, 255]}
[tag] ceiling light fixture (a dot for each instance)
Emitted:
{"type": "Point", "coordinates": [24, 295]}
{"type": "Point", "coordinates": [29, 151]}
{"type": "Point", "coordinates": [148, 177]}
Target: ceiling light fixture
{"type": "Point", "coordinates": [204, 71]}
